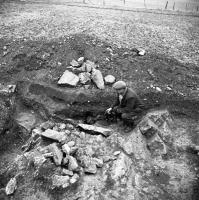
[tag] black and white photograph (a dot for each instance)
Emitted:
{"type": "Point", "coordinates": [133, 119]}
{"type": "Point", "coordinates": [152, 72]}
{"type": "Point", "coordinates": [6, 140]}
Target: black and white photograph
{"type": "Point", "coordinates": [99, 99]}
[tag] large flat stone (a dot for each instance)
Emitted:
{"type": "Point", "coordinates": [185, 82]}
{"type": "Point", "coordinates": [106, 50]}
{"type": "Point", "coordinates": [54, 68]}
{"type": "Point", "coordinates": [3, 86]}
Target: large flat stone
{"type": "Point", "coordinates": [54, 135]}
{"type": "Point", "coordinates": [95, 129]}
{"type": "Point", "coordinates": [68, 78]}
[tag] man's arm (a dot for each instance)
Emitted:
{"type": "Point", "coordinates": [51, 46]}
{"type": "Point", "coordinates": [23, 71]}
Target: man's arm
{"type": "Point", "coordinates": [130, 104]}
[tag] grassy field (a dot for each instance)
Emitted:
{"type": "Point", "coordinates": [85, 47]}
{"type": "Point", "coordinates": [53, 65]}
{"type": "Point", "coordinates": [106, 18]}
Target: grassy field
{"type": "Point", "coordinates": [173, 36]}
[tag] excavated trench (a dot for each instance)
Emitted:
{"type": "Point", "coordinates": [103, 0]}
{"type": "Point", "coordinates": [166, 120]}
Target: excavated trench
{"type": "Point", "coordinates": [157, 160]}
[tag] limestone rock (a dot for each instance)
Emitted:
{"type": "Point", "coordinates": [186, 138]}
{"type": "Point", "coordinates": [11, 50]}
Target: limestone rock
{"type": "Point", "coordinates": [66, 160]}
{"type": "Point", "coordinates": [62, 126]}
{"type": "Point", "coordinates": [91, 168]}
{"type": "Point", "coordinates": [71, 143]}
{"type": "Point", "coordinates": [97, 78]}
{"type": "Point", "coordinates": [84, 77]}
{"type": "Point", "coordinates": [54, 135]}
{"type": "Point", "coordinates": [68, 78]}
{"type": "Point", "coordinates": [121, 167]}
{"type": "Point", "coordinates": [11, 186]}
{"type": "Point", "coordinates": [80, 60]}
{"type": "Point", "coordinates": [73, 165]}
{"type": "Point", "coordinates": [74, 63]}
{"type": "Point", "coordinates": [109, 79]}
{"type": "Point", "coordinates": [98, 162]}
{"type": "Point", "coordinates": [89, 164]}
{"type": "Point", "coordinates": [57, 154]}
{"type": "Point", "coordinates": [60, 181]}
{"type": "Point", "coordinates": [74, 178]}
{"type": "Point", "coordinates": [67, 172]}
{"type": "Point", "coordinates": [66, 149]}
{"type": "Point", "coordinates": [95, 129]}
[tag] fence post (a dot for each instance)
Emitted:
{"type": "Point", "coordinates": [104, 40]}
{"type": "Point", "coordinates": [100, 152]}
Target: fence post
{"type": "Point", "coordinates": [174, 5]}
{"type": "Point", "coordinates": [103, 2]}
{"type": "Point", "coordinates": [145, 3]}
{"type": "Point", "coordinates": [197, 9]}
{"type": "Point", "coordinates": [166, 5]}
{"type": "Point", "coordinates": [124, 2]}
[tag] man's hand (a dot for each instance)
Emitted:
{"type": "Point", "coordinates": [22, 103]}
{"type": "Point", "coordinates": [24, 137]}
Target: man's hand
{"type": "Point", "coordinates": [108, 111]}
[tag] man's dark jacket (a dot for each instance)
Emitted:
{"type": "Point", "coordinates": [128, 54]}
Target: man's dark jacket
{"type": "Point", "coordinates": [130, 103]}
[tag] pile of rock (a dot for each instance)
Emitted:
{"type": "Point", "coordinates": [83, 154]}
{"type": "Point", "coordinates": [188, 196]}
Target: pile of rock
{"type": "Point", "coordinates": [83, 72]}
{"type": "Point", "coordinates": [57, 143]}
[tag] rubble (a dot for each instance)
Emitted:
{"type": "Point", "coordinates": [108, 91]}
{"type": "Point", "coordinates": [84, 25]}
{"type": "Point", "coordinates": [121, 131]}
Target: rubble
{"type": "Point", "coordinates": [46, 125]}
{"type": "Point", "coordinates": [11, 186]}
{"type": "Point", "coordinates": [95, 129]}
{"type": "Point", "coordinates": [68, 78]}
{"type": "Point", "coordinates": [74, 178]}
{"type": "Point", "coordinates": [54, 135]}
{"type": "Point", "coordinates": [109, 79]}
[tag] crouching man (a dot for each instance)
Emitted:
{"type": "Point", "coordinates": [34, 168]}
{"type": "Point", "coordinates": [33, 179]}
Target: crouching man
{"type": "Point", "coordinates": [128, 107]}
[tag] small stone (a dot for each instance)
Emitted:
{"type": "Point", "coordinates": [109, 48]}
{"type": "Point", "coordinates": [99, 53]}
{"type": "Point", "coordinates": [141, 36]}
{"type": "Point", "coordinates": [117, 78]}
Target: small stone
{"type": "Point", "coordinates": [54, 135]}
{"type": "Point", "coordinates": [60, 181]}
{"type": "Point", "coordinates": [66, 149]}
{"type": "Point", "coordinates": [67, 132]}
{"type": "Point", "coordinates": [84, 77]}
{"type": "Point", "coordinates": [98, 162]}
{"type": "Point", "coordinates": [74, 179]}
{"type": "Point", "coordinates": [62, 126]}
{"type": "Point", "coordinates": [70, 126]}
{"type": "Point", "coordinates": [80, 60]}
{"type": "Point", "coordinates": [66, 160]}
{"type": "Point", "coordinates": [48, 155]}
{"type": "Point", "coordinates": [82, 135]}
{"type": "Point", "coordinates": [74, 63]}
{"type": "Point", "coordinates": [109, 79]}
{"type": "Point", "coordinates": [116, 153]}
{"type": "Point", "coordinates": [73, 165]}
{"type": "Point", "coordinates": [57, 154]}
{"type": "Point", "coordinates": [168, 88]}
{"type": "Point", "coordinates": [36, 132]}
{"type": "Point", "coordinates": [11, 186]}
{"type": "Point", "coordinates": [141, 52]}
{"type": "Point", "coordinates": [71, 143]}
{"type": "Point", "coordinates": [73, 150]}
{"type": "Point", "coordinates": [158, 89]}
{"type": "Point", "coordinates": [55, 128]}
{"type": "Point", "coordinates": [68, 78]}
{"type": "Point", "coordinates": [91, 168]}
{"type": "Point", "coordinates": [67, 172]}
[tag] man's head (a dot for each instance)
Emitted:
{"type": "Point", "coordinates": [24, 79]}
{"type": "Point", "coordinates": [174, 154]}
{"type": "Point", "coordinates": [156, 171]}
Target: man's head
{"type": "Point", "coordinates": [120, 87]}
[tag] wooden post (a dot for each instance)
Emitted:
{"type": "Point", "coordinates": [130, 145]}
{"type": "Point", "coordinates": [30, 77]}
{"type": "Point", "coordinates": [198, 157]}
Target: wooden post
{"type": "Point", "coordinates": [124, 2]}
{"type": "Point", "coordinates": [103, 2]}
{"type": "Point", "coordinates": [166, 5]}
{"type": "Point", "coordinates": [145, 3]}
{"type": "Point", "coordinates": [197, 8]}
{"type": "Point", "coordinates": [174, 5]}
{"type": "Point", "coordinates": [186, 6]}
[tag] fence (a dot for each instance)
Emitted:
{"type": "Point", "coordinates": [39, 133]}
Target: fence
{"type": "Point", "coordinates": [181, 5]}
